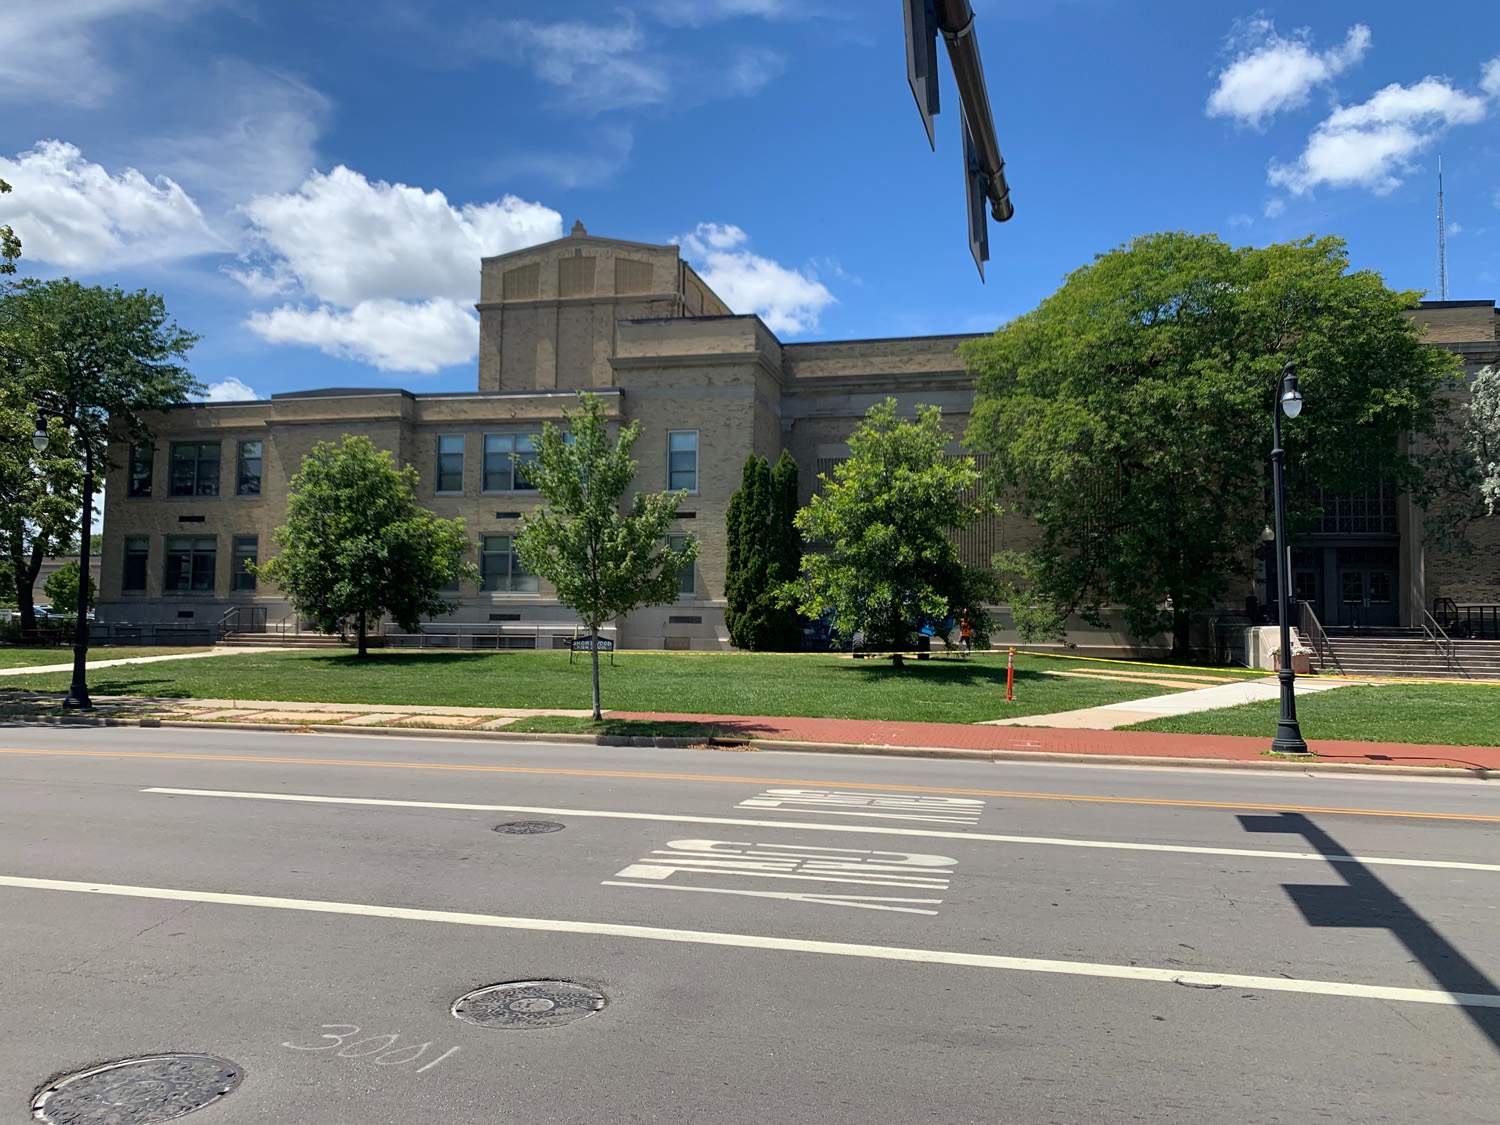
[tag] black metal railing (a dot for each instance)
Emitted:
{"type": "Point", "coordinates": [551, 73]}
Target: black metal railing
{"type": "Point", "coordinates": [1312, 632]}
{"type": "Point", "coordinates": [1435, 633]}
{"type": "Point", "coordinates": [1473, 621]}
{"type": "Point", "coordinates": [243, 619]}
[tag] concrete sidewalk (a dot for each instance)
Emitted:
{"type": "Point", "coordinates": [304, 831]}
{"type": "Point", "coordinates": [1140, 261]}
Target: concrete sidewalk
{"type": "Point", "coordinates": [40, 669]}
{"type": "Point", "coordinates": [877, 735]}
{"type": "Point", "coordinates": [868, 736]}
{"type": "Point", "coordinates": [1110, 716]}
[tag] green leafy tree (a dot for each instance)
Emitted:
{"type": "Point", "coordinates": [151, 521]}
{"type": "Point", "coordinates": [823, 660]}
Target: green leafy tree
{"type": "Point", "coordinates": [1483, 433]}
{"type": "Point", "coordinates": [602, 563]}
{"type": "Point", "coordinates": [733, 554]}
{"type": "Point", "coordinates": [750, 509]}
{"type": "Point", "coordinates": [887, 562]}
{"type": "Point", "coordinates": [357, 545]}
{"type": "Point", "coordinates": [10, 245]}
{"type": "Point", "coordinates": [765, 553]}
{"type": "Point", "coordinates": [1129, 416]}
{"type": "Point", "coordinates": [93, 362]}
{"type": "Point", "coordinates": [784, 551]}
{"type": "Point", "coordinates": [62, 587]}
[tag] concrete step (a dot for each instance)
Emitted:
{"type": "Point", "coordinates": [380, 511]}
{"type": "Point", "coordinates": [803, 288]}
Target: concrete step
{"type": "Point", "coordinates": [273, 640]}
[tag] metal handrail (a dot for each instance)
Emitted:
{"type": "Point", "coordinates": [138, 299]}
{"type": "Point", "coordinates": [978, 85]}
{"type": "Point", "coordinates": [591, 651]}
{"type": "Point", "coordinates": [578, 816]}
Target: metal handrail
{"type": "Point", "coordinates": [1437, 636]}
{"type": "Point", "coordinates": [1311, 628]}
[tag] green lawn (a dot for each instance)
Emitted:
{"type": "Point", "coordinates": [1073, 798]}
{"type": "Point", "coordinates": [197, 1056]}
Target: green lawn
{"type": "Point", "coordinates": [1447, 714]}
{"type": "Point", "coordinates": [19, 656]}
{"type": "Point", "coordinates": [943, 690]}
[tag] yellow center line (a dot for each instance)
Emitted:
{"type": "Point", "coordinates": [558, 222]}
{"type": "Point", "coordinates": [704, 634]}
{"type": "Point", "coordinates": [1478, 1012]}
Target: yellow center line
{"type": "Point", "coordinates": [738, 779]}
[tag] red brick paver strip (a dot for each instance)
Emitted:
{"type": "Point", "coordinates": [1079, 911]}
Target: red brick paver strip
{"type": "Point", "coordinates": [877, 733]}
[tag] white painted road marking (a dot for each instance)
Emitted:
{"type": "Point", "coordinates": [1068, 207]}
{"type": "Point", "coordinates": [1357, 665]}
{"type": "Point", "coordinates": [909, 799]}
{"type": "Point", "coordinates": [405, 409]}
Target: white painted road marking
{"type": "Point", "coordinates": [727, 859]}
{"type": "Point", "coordinates": [787, 861]}
{"type": "Point", "coordinates": [879, 806]}
{"type": "Point", "coordinates": [860, 902]}
{"type": "Point", "coordinates": [779, 944]}
{"type": "Point", "coordinates": [862, 829]}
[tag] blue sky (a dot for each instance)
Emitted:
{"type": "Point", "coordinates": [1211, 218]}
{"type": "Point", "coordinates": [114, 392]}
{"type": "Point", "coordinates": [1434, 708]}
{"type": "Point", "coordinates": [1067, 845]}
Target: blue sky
{"type": "Point", "coordinates": [310, 184]}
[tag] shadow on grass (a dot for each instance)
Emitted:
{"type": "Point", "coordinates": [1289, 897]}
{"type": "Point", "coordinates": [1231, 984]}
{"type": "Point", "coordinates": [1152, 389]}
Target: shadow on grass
{"type": "Point", "coordinates": [1366, 902]}
{"type": "Point", "coordinates": [952, 671]}
{"type": "Point", "coordinates": [388, 658]}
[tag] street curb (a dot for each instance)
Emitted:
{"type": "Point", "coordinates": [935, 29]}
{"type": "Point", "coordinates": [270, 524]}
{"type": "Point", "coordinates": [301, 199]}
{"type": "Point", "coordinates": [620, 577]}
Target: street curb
{"type": "Point", "coordinates": [758, 744]}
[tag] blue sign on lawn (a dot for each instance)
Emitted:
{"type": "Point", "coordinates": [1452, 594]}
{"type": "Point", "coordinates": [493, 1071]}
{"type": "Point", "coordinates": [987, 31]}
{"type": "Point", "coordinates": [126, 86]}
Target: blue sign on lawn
{"type": "Point", "coordinates": [590, 643]}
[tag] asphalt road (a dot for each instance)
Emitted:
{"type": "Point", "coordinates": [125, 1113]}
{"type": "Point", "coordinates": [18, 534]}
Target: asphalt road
{"type": "Point", "coordinates": [781, 938]}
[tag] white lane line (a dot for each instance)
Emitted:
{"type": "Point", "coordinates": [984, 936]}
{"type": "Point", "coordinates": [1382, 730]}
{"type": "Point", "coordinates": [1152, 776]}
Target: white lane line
{"type": "Point", "coordinates": [779, 944]}
{"type": "Point", "coordinates": [872, 829]}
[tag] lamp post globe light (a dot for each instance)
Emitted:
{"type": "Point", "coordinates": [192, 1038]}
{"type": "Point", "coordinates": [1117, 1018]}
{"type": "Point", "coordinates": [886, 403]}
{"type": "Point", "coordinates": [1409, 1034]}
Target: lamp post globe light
{"type": "Point", "coordinates": [77, 698]}
{"type": "Point", "coordinates": [1288, 400]}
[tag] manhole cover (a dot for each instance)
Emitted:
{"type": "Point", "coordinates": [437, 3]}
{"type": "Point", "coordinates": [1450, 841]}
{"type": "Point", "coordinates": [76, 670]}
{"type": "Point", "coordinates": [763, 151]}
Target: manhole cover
{"type": "Point", "coordinates": [137, 1091]}
{"type": "Point", "coordinates": [528, 827]}
{"type": "Point", "coordinates": [528, 1004]}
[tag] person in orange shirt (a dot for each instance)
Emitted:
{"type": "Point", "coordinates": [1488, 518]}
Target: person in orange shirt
{"type": "Point", "coordinates": [965, 631]}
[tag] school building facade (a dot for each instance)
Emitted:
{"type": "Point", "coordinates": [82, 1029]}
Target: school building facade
{"type": "Point", "coordinates": [636, 325]}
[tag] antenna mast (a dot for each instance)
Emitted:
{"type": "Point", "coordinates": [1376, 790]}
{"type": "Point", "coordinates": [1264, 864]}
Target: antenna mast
{"type": "Point", "coordinates": [1442, 232]}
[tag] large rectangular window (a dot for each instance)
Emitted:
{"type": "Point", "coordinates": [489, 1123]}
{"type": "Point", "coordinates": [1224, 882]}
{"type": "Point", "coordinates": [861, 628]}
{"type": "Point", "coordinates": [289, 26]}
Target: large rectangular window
{"type": "Point", "coordinates": [450, 463]}
{"type": "Point", "coordinates": [500, 568]}
{"type": "Point", "coordinates": [506, 459]}
{"type": "Point", "coordinates": [686, 583]}
{"type": "Point", "coordinates": [195, 468]}
{"type": "Point", "coordinates": [190, 565]}
{"type": "Point", "coordinates": [133, 573]}
{"type": "Point", "coordinates": [247, 475]}
{"type": "Point", "coordinates": [246, 551]}
{"type": "Point", "coordinates": [682, 460]}
{"type": "Point", "coordinates": [140, 469]}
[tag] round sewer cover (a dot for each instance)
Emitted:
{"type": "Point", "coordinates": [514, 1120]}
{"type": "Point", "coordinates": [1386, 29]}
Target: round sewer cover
{"type": "Point", "coordinates": [527, 1004]}
{"type": "Point", "coordinates": [137, 1091]}
{"type": "Point", "coordinates": [528, 827]}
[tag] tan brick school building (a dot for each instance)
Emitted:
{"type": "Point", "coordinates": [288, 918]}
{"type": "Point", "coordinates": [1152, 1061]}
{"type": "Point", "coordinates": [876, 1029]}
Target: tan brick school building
{"type": "Point", "coordinates": [635, 324]}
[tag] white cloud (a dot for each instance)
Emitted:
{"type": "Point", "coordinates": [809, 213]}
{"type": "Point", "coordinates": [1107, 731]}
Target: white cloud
{"type": "Point", "coordinates": [751, 70]}
{"type": "Point", "coordinates": [1240, 220]}
{"type": "Point", "coordinates": [229, 390]}
{"type": "Point", "coordinates": [243, 131]}
{"type": "Point", "coordinates": [391, 335]}
{"type": "Point", "coordinates": [52, 50]}
{"type": "Point", "coordinates": [1455, 229]}
{"type": "Point", "coordinates": [788, 300]}
{"type": "Point", "coordinates": [346, 239]}
{"type": "Point", "coordinates": [1489, 82]}
{"type": "Point", "coordinates": [598, 67]}
{"type": "Point", "coordinates": [73, 213]}
{"type": "Point", "coordinates": [696, 13]}
{"type": "Point", "coordinates": [607, 153]}
{"type": "Point", "coordinates": [1274, 208]}
{"type": "Point", "coordinates": [1373, 144]}
{"type": "Point", "coordinates": [1271, 72]}
{"type": "Point", "coordinates": [388, 271]}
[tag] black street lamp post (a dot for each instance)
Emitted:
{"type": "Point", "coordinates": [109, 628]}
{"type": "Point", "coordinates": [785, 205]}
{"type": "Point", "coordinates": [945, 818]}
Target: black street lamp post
{"type": "Point", "coordinates": [78, 692]}
{"type": "Point", "coordinates": [1288, 738]}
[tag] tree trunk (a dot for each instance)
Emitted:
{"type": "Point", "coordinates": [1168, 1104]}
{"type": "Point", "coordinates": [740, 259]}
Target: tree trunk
{"type": "Point", "coordinates": [1181, 638]}
{"type": "Point", "coordinates": [594, 655]}
{"type": "Point", "coordinates": [363, 649]}
{"type": "Point", "coordinates": [26, 570]}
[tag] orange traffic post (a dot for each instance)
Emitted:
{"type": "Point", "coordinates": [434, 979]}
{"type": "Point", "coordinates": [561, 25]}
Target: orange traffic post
{"type": "Point", "coordinates": [1010, 677]}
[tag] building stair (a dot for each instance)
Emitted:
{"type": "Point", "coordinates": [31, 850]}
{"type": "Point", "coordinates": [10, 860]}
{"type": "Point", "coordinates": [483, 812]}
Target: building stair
{"type": "Point", "coordinates": [289, 640]}
{"type": "Point", "coordinates": [1406, 652]}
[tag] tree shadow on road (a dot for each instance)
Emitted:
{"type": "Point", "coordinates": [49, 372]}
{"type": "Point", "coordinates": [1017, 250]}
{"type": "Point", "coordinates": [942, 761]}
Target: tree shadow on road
{"type": "Point", "coordinates": [1365, 902]}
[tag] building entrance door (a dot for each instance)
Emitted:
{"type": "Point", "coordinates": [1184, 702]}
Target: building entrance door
{"type": "Point", "coordinates": [1368, 596]}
